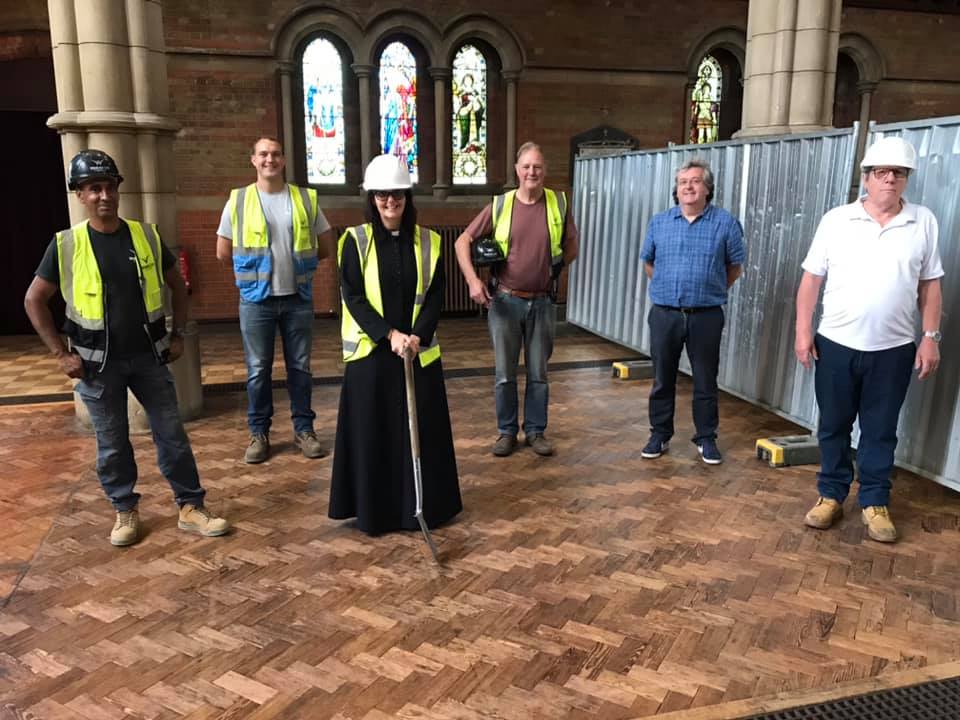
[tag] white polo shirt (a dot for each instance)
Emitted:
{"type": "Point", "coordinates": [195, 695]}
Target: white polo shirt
{"type": "Point", "coordinates": [873, 273]}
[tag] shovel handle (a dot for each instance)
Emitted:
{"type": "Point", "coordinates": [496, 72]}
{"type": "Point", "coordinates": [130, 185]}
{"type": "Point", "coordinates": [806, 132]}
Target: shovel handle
{"type": "Point", "coordinates": [411, 404]}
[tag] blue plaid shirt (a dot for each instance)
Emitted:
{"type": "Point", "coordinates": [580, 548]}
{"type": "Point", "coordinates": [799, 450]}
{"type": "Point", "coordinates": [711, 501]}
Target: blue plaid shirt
{"type": "Point", "coordinates": [690, 259]}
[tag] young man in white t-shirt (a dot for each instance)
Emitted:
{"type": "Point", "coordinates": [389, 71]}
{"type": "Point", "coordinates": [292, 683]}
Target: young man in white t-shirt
{"type": "Point", "coordinates": [273, 233]}
{"type": "Point", "coordinates": [880, 260]}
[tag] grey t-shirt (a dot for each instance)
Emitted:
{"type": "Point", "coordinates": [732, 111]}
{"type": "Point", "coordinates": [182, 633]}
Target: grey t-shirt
{"type": "Point", "coordinates": [278, 211]}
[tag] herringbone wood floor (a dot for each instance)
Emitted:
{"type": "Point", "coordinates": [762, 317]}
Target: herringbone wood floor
{"type": "Point", "coordinates": [593, 584]}
{"type": "Point", "coordinates": [28, 369]}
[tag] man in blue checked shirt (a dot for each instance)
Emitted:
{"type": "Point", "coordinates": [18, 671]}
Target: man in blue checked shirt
{"type": "Point", "coordinates": [693, 253]}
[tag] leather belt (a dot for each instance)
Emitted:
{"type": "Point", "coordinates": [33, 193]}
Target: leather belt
{"type": "Point", "coordinates": [688, 310]}
{"type": "Point", "coordinates": [522, 294]}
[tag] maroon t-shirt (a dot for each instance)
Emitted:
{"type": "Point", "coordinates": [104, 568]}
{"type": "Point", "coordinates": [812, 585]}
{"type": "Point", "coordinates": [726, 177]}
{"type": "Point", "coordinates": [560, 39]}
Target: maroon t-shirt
{"type": "Point", "coordinates": [528, 265]}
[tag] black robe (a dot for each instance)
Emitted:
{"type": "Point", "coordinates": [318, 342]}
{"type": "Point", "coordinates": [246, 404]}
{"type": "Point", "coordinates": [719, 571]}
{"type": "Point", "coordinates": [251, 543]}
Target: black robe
{"type": "Point", "coordinates": [372, 466]}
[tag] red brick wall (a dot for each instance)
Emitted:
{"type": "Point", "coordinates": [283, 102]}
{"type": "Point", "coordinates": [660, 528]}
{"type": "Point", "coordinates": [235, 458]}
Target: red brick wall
{"type": "Point", "coordinates": [617, 63]}
{"type": "Point", "coordinates": [25, 44]}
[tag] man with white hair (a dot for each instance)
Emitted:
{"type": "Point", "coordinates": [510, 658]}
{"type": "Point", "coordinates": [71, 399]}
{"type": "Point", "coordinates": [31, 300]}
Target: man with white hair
{"type": "Point", "coordinates": [880, 260]}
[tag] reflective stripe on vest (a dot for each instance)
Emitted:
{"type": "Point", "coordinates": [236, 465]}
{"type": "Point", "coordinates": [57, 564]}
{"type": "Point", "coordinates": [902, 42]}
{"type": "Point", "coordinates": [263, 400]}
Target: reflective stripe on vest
{"type": "Point", "coordinates": [82, 287]}
{"type": "Point", "coordinates": [426, 247]}
{"type": "Point", "coordinates": [252, 262]}
{"type": "Point", "coordinates": [502, 216]}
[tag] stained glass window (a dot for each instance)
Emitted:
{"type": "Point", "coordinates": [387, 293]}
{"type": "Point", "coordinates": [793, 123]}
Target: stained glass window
{"type": "Point", "coordinates": [398, 104]}
{"type": "Point", "coordinates": [323, 113]}
{"type": "Point", "coordinates": [469, 144]}
{"type": "Point", "coordinates": [705, 102]}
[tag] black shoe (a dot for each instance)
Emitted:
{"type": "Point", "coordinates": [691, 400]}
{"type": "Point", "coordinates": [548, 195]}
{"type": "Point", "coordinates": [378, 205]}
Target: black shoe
{"type": "Point", "coordinates": [655, 447]}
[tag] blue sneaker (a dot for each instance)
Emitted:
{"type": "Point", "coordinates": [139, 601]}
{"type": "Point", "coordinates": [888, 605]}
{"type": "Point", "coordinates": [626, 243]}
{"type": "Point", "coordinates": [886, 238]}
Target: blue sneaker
{"type": "Point", "coordinates": [709, 452]}
{"type": "Point", "coordinates": [655, 447]}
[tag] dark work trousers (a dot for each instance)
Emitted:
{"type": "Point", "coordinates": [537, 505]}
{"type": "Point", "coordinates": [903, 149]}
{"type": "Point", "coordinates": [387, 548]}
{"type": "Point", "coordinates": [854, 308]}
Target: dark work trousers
{"type": "Point", "coordinates": [670, 330]}
{"type": "Point", "coordinates": [869, 385]}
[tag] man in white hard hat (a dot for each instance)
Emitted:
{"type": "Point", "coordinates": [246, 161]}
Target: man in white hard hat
{"type": "Point", "coordinates": [272, 231]}
{"type": "Point", "coordinates": [880, 260]}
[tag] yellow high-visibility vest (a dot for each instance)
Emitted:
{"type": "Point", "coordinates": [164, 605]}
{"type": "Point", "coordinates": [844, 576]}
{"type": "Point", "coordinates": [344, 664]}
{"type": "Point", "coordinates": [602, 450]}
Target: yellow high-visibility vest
{"type": "Point", "coordinates": [252, 262]}
{"type": "Point", "coordinates": [502, 215]}
{"type": "Point", "coordinates": [82, 288]}
{"type": "Point", "coordinates": [426, 247]}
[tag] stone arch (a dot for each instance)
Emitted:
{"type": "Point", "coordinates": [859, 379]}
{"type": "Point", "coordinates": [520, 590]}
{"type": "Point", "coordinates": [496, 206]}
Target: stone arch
{"type": "Point", "coordinates": [399, 23]}
{"type": "Point", "coordinates": [502, 40]}
{"type": "Point", "coordinates": [731, 39]}
{"type": "Point", "coordinates": [293, 31]}
{"type": "Point", "coordinates": [870, 64]}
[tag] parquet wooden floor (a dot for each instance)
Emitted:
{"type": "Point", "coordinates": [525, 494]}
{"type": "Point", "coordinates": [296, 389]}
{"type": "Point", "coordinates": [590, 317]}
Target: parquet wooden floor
{"type": "Point", "coordinates": [27, 369]}
{"type": "Point", "coordinates": [593, 584]}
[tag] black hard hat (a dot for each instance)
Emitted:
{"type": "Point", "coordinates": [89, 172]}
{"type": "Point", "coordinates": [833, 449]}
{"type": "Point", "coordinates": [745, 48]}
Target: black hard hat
{"type": "Point", "coordinates": [487, 252]}
{"type": "Point", "coordinates": [89, 164]}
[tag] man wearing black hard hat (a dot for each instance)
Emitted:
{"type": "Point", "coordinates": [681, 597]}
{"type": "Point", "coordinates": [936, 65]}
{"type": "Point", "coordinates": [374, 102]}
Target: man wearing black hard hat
{"type": "Point", "coordinates": [113, 274]}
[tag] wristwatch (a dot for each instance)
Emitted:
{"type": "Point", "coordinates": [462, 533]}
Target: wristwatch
{"type": "Point", "coordinates": [934, 335]}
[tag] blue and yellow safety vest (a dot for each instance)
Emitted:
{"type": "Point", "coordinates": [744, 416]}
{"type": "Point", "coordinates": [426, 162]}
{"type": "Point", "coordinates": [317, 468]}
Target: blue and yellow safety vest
{"type": "Point", "coordinates": [252, 263]}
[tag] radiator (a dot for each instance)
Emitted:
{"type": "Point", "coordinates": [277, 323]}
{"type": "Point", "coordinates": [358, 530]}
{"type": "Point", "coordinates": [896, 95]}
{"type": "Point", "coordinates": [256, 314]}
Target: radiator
{"type": "Point", "coordinates": [456, 297]}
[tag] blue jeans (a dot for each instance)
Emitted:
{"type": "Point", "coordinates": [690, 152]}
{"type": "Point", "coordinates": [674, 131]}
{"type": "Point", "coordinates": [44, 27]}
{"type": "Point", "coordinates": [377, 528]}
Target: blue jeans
{"type": "Point", "coordinates": [105, 395]}
{"type": "Point", "coordinates": [514, 322]}
{"type": "Point", "coordinates": [869, 385]}
{"type": "Point", "coordinates": [258, 326]}
{"type": "Point", "coordinates": [701, 331]}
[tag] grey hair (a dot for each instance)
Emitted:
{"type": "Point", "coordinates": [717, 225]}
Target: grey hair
{"type": "Point", "coordinates": [526, 147]}
{"type": "Point", "coordinates": [697, 163]}
{"type": "Point", "coordinates": [707, 176]}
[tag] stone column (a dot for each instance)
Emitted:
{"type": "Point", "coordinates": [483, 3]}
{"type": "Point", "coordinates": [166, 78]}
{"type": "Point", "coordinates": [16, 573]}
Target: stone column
{"type": "Point", "coordinates": [688, 111]}
{"type": "Point", "coordinates": [286, 98]}
{"type": "Point", "coordinates": [363, 73]}
{"type": "Point", "coordinates": [790, 66]}
{"type": "Point", "coordinates": [814, 65]}
{"type": "Point", "coordinates": [441, 95]}
{"type": "Point", "coordinates": [865, 89]}
{"type": "Point", "coordinates": [112, 94]}
{"type": "Point", "coordinates": [510, 77]}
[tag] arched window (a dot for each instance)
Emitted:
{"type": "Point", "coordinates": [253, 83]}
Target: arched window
{"type": "Point", "coordinates": [398, 104]}
{"type": "Point", "coordinates": [469, 125]}
{"type": "Point", "coordinates": [705, 102]}
{"type": "Point", "coordinates": [323, 125]}
{"type": "Point", "coordinates": [846, 98]}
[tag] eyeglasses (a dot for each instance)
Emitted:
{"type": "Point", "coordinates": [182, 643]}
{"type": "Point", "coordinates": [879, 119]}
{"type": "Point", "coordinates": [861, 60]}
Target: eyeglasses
{"type": "Point", "coordinates": [397, 195]}
{"type": "Point", "coordinates": [882, 173]}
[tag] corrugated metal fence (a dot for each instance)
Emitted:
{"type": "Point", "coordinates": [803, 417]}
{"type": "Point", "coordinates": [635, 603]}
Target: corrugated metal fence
{"type": "Point", "coordinates": [930, 421]}
{"type": "Point", "coordinates": [779, 188]}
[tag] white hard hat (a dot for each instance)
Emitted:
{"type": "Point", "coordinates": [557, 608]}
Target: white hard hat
{"type": "Point", "coordinates": [387, 172]}
{"type": "Point", "coordinates": [890, 152]}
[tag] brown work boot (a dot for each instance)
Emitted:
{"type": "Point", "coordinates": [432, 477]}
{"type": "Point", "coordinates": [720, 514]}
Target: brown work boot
{"type": "Point", "coordinates": [258, 450]}
{"type": "Point", "coordinates": [505, 445]}
{"type": "Point", "coordinates": [308, 444]}
{"type": "Point", "coordinates": [126, 530]}
{"type": "Point", "coordinates": [879, 525]}
{"type": "Point", "coordinates": [540, 444]}
{"type": "Point", "coordinates": [824, 514]}
{"type": "Point", "coordinates": [200, 520]}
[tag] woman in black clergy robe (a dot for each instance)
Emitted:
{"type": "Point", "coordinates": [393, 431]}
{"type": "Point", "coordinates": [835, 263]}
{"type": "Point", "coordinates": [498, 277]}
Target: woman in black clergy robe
{"type": "Point", "coordinates": [372, 466]}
